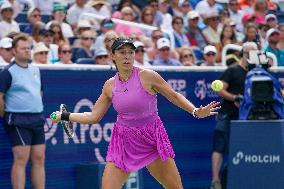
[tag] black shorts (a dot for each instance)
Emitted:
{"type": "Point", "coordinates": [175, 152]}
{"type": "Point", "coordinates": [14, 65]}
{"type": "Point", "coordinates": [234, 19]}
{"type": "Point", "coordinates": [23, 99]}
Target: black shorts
{"type": "Point", "coordinates": [21, 136]}
{"type": "Point", "coordinates": [221, 142]}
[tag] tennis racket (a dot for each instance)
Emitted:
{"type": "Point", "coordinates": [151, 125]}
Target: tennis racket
{"type": "Point", "coordinates": [67, 125]}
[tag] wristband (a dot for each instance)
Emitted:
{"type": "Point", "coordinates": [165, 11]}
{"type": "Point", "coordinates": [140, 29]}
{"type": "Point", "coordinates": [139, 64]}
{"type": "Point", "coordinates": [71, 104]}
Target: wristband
{"type": "Point", "coordinates": [194, 113]}
{"type": "Point", "coordinates": [65, 116]}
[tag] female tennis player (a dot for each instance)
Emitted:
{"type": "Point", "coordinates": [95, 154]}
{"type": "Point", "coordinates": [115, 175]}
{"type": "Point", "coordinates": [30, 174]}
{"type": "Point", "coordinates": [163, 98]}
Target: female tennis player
{"type": "Point", "coordinates": [139, 138]}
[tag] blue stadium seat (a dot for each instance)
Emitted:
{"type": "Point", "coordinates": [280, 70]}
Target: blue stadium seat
{"type": "Point", "coordinates": [198, 54]}
{"type": "Point", "coordinates": [22, 18]}
{"type": "Point", "coordinates": [280, 17]}
{"type": "Point", "coordinates": [85, 61]}
{"type": "Point", "coordinates": [23, 26]}
{"type": "Point", "coordinates": [72, 39]}
{"type": "Point", "coordinates": [45, 18]}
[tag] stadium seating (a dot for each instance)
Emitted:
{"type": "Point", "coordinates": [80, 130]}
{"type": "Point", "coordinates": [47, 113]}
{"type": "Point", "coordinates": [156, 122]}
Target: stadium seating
{"type": "Point", "coordinates": [85, 61]}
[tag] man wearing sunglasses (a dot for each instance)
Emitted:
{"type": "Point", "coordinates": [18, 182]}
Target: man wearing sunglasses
{"type": "Point", "coordinates": [164, 52]}
{"type": "Point", "coordinates": [140, 58]}
{"type": "Point", "coordinates": [6, 54]}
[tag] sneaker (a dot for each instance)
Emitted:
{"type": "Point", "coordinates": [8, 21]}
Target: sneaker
{"type": "Point", "coordinates": [216, 185]}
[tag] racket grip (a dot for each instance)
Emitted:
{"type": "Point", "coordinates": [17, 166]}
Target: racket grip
{"type": "Point", "coordinates": [53, 115]}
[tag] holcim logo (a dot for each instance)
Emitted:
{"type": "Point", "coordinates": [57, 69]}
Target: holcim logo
{"type": "Point", "coordinates": [255, 158]}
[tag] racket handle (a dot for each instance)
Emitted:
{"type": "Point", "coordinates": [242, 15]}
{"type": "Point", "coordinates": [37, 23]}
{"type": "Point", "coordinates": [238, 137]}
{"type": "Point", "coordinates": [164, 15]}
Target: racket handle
{"type": "Point", "coordinates": [53, 115]}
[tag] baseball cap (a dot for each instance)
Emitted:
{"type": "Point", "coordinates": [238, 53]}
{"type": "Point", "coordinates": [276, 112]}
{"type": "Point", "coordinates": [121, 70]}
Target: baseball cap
{"type": "Point", "coordinates": [100, 52]}
{"type": "Point", "coordinates": [269, 16]}
{"type": "Point", "coordinates": [270, 32]}
{"type": "Point", "coordinates": [192, 14]}
{"type": "Point", "coordinates": [6, 5]}
{"type": "Point", "coordinates": [119, 42]}
{"type": "Point", "coordinates": [6, 43]}
{"type": "Point", "coordinates": [210, 48]}
{"type": "Point", "coordinates": [138, 44]}
{"type": "Point", "coordinates": [163, 42]}
{"type": "Point", "coordinates": [107, 23]}
{"type": "Point", "coordinates": [31, 10]}
{"type": "Point", "coordinates": [40, 47]}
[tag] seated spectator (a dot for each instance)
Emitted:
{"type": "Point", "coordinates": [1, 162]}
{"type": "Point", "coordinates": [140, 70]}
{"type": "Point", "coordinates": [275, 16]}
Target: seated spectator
{"type": "Point", "coordinates": [58, 37]}
{"type": "Point", "coordinates": [186, 56]}
{"type": "Point", "coordinates": [86, 38]}
{"type": "Point", "coordinates": [260, 9]}
{"type": "Point", "coordinates": [46, 6]}
{"type": "Point", "coordinates": [205, 7]}
{"type": "Point", "coordinates": [36, 31]}
{"type": "Point", "coordinates": [106, 25]}
{"type": "Point", "coordinates": [194, 34]}
{"type": "Point", "coordinates": [6, 53]}
{"type": "Point", "coordinates": [272, 37]}
{"type": "Point", "coordinates": [100, 7]}
{"type": "Point", "coordinates": [140, 58]}
{"type": "Point", "coordinates": [227, 36]}
{"type": "Point", "coordinates": [152, 51]}
{"type": "Point", "coordinates": [210, 56]}
{"type": "Point", "coordinates": [83, 25]}
{"type": "Point", "coordinates": [179, 36]}
{"type": "Point", "coordinates": [59, 14]}
{"type": "Point", "coordinates": [8, 24]}
{"type": "Point", "coordinates": [40, 54]}
{"type": "Point", "coordinates": [34, 16]}
{"type": "Point", "coordinates": [102, 57]}
{"type": "Point", "coordinates": [147, 17]}
{"type": "Point", "coordinates": [251, 34]}
{"type": "Point", "coordinates": [271, 20]}
{"type": "Point", "coordinates": [64, 54]}
{"type": "Point", "coordinates": [126, 30]}
{"type": "Point", "coordinates": [126, 3]}
{"type": "Point", "coordinates": [212, 32]}
{"type": "Point", "coordinates": [110, 37]}
{"type": "Point", "coordinates": [184, 7]}
{"type": "Point", "coordinates": [75, 11]}
{"type": "Point", "coordinates": [166, 17]}
{"type": "Point", "coordinates": [46, 36]}
{"type": "Point", "coordinates": [163, 59]}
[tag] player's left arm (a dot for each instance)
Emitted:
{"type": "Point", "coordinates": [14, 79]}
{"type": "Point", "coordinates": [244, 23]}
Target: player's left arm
{"type": "Point", "coordinates": [159, 85]}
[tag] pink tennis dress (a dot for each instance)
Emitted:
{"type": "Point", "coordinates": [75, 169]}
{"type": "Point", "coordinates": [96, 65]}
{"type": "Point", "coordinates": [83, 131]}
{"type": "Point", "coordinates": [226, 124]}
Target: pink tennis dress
{"type": "Point", "coordinates": [138, 136]}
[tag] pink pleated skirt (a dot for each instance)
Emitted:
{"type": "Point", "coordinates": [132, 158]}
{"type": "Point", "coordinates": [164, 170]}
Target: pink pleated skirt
{"type": "Point", "coordinates": [135, 147]}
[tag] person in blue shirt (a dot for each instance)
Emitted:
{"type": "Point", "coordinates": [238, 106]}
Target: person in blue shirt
{"type": "Point", "coordinates": [272, 37]}
{"type": "Point", "coordinates": [21, 107]}
{"type": "Point", "coordinates": [164, 52]}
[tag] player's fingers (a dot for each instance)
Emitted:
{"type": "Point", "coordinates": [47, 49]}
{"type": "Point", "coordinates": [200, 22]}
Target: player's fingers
{"type": "Point", "coordinates": [214, 109]}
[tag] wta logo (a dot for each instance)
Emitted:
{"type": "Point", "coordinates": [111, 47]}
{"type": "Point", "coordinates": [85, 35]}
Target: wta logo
{"type": "Point", "coordinates": [255, 158]}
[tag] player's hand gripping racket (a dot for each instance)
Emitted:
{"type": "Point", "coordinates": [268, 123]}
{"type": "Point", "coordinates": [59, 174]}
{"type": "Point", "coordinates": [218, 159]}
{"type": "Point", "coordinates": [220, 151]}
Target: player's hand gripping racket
{"type": "Point", "coordinates": [67, 125]}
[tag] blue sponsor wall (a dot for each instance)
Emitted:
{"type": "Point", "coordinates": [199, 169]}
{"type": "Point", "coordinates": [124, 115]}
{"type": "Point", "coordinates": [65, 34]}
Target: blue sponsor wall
{"type": "Point", "coordinates": [79, 88]}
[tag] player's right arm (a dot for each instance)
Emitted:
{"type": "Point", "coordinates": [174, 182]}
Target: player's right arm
{"type": "Point", "coordinates": [99, 109]}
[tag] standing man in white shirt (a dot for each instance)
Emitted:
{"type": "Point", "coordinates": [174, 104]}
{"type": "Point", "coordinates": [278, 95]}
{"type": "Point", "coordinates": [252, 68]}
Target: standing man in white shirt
{"type": "Point", "coordinates": [6, 53]}
{"type": "Point", "coordinates": [7, 24]}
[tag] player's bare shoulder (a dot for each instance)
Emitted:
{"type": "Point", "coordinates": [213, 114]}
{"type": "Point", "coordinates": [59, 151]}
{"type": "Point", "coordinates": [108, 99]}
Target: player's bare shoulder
{"type": "Point", "coordinates": [147, 74]}
{"type": "Point", "coordinates": [107, 89]}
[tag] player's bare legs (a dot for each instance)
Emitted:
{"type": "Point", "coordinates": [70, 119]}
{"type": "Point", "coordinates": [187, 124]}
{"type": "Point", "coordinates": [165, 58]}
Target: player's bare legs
{"type": "Point", "coordinates": [38, 171]}
{"type": "Point", "coordinates": [166, 173]}
{"type": "Point", "coordinates": [18, 173]}
{"type": "Point", "coordinates": [113, 177]}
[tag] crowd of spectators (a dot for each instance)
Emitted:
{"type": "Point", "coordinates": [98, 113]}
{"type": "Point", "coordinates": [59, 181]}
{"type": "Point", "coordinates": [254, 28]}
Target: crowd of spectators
{"type": "Point", "coordinates": [166, 32]}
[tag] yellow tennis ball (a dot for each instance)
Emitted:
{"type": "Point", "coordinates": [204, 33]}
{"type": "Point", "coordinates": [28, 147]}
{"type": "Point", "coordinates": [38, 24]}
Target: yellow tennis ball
{"type": "Point", "coordinates": [217, 85]}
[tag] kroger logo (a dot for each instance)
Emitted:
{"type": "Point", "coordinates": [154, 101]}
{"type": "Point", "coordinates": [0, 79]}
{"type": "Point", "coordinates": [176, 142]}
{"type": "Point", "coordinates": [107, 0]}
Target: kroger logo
{"type": "Point", "coordinates": [255, 158]}
{"type": "Point", "coordinates": [203, 90]}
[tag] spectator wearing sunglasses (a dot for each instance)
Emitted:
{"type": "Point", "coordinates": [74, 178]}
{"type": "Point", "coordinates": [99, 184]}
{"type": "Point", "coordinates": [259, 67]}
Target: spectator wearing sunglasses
{"type": "Point", "coordinates": [34, 16]}
{"type": "Point", "coordinates": [164, 52]}
{"type": "Point", "coordinates": [210, 56]}
{"type": "Point", "coordinates": [140, 58]}
{"type": "Point", "coordinates": [40, 54]}
{"type": "Point", "coordinates": [6, 53]}
{"type": "Point", "coordinates": [86, 39]}
{"type": "Point", "coordinates": [8, 24]}
{"type": "Point", "coordinates": [64, 54]}
{"type": "Point", "coordinates": [186, 56]}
